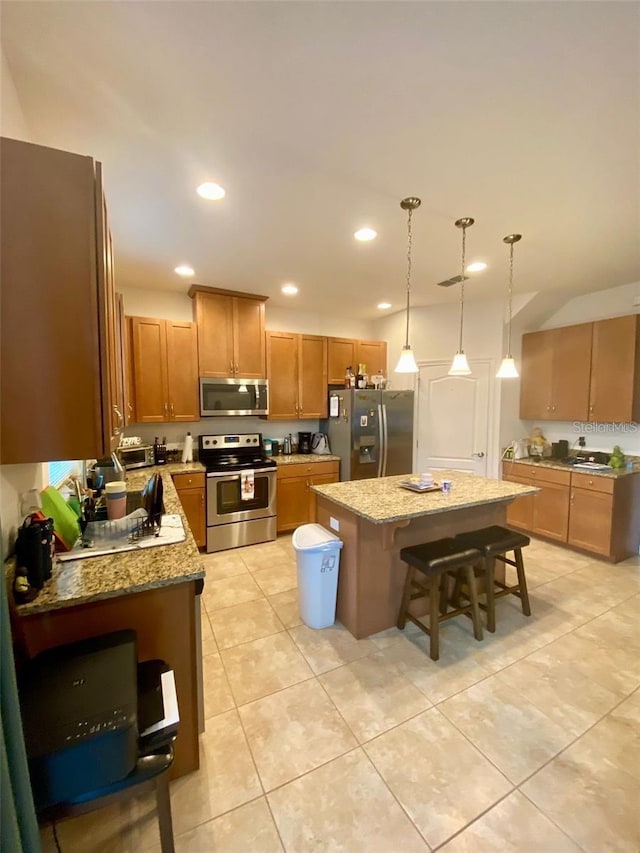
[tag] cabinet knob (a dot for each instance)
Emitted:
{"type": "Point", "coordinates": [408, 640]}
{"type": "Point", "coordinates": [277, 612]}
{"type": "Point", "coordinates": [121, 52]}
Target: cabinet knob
{"type": "Point", "coordinates": [166, 411]}
{"type": "Point", "coordinates": [231, 368]}
{"type": "Point", "coordinates": [591, 482]}
{"type": "Point", "coordinates": [172, 410]}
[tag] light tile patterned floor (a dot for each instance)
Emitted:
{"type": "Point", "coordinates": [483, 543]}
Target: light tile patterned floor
{"type": "Point", "coordinates": [314, 741]}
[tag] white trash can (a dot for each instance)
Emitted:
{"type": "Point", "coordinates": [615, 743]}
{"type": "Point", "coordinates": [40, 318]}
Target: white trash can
{"type": "Point", "coordinates": [318, 560]}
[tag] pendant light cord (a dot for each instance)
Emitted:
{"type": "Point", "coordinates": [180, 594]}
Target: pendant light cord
{"type": "Point", "coordinates": [464, 243]}
{"type": "Point", "coordinates": [406, 341]}
{"type": "Point", "coordinates": [510, 298]}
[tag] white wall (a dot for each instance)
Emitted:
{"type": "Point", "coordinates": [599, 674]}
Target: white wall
{"type": "Point", "coordinates": [12, 119]}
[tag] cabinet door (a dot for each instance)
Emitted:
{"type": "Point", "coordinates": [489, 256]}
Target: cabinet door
{"type": "Point", "coordinates": [193, 504]}
{"type": "Point", "coordinates": [312, 377]}
{"type": "Point", "coordinates": [341, 353]}
{"type": "Point", "coordinates": [571, 372]}
{"type": "Point", "coordinates": [248, 338]}
{"type": "Point", "coordinates": [535, 381]}
{"type": "Point", "coordinates": [150, 369]}
{"type": "Point", "coordinates": [282, 363]}
{"type": "Point", "coordinates": [551, 511]}
{"type": "Point", "coordinates": [214, 318]}
{"type": "Point", "coordinates": [373, 354]}
{"type": "Point", "coordinates": [520, 511]}
{"type": "Point", "coordinates": [590, 519]}
{"type": "Point", "coordinates": [182, 371]}
{"type": "Point", "coordinates": [615, 370]}
{"type": "Point", "coordinates": [129, 381]}
{"type": "Point", "coordinates": [293, 502]}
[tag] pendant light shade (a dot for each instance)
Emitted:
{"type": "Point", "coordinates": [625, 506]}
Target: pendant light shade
{"type": "Point", "coordinates": [407, 362]}
{"type": "Point", "coordinates": [460, 365]}
{"type": "Point", "coordinates": [508, 368]}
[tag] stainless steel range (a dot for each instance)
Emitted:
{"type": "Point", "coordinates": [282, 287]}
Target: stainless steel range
{"type": "Point", "coordinates": [241, 491]}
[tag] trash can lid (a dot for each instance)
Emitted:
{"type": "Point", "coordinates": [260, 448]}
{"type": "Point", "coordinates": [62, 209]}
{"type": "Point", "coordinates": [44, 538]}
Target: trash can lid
{"type": "Point", "coordinates": [312, 536]}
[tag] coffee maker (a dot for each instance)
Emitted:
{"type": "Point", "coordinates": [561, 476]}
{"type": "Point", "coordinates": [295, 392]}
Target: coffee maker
{"type": "Point", "coordinates": [304, 442]}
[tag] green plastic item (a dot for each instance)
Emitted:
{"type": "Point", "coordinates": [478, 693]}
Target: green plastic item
{"type": "Point", "coordinates": [65, 521]}
{"type": "Point", "coordinates": [617, 459]}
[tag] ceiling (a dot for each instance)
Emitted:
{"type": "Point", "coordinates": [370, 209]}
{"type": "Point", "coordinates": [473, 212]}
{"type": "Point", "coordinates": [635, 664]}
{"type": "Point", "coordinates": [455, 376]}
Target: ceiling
{"type": "Point", "coordinates": [319, 118]}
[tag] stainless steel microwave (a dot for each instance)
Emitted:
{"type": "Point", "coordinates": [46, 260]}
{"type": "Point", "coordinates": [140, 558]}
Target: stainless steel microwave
{"type": "Point", "coordinates": [225, 397]}
{"type": "Point", "coordinates": [136, 456]}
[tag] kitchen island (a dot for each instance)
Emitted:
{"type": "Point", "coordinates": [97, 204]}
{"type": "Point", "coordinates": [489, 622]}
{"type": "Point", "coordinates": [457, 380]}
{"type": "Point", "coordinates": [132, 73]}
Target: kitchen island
{"type": "Point", "coordinates": [152, 590]}
{"type": "Point", "coordinates": [377, 518]}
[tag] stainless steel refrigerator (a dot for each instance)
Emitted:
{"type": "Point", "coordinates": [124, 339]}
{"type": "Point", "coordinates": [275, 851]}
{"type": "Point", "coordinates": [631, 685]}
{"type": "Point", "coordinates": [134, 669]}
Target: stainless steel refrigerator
{"type": "Point", "coordinates": [371, 431]}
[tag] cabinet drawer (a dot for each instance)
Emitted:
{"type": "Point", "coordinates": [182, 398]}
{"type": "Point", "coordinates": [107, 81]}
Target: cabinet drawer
{"type": "Point", "coordinates": [193, 480]}
{"type": "Point", "coordinates": [302, 469]}
{"type": "Point", "coordinates": [593, 483]}
{"type": "Point", "coordinates": [537, 472]}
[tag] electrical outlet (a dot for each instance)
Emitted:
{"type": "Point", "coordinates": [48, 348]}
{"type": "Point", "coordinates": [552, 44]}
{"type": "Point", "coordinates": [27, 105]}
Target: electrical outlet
{"type": "Point", "coordinates": [581, 441]}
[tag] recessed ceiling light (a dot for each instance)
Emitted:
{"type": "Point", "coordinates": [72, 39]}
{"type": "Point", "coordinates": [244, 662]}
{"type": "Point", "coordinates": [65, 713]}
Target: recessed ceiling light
{"type": "Point", "coordinates": [365, 234]}
{"type": "Point", "coordinates": [476, 266]}
{"type": "Point", "coordinates": [289, 289]}
{"type": "Point", "coordinates": [185, 270]}
{"type": "Point", "coordinates": [211, 191]}
{"type": "Point", "coordinates": [383, 305]}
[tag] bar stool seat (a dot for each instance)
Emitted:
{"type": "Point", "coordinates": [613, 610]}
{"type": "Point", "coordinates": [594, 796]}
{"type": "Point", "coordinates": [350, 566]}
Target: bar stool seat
{"type": "Point", "coordinates": [493, 543]}
{"type": "Point", "coordinates": [435, 560]}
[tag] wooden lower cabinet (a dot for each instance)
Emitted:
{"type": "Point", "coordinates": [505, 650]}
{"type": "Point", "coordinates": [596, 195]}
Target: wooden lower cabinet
{"type": "Point", "coordinates": [296, 500]}
{"type": "Point", "coordinates": [191, 491]}
{"type": "Point", "coordinates": [597, 514]}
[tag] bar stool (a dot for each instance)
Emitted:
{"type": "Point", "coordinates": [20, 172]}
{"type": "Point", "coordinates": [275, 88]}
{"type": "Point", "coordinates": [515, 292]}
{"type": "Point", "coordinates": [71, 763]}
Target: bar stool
{"type": "Point", "coordinates": [436, 560]}
{"type": "Point", "coordinates": [493, 543]}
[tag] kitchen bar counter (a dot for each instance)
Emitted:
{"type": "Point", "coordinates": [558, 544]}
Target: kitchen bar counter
{"type": "Point", "coordinates": [153, 591]}
{"type": "Point", "coordinates": [376, 518]}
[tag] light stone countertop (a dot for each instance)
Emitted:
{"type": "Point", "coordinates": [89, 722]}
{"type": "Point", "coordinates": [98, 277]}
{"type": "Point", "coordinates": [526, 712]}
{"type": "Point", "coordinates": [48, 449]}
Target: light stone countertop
{"type": "Point", "coordinates": [615, 473]}
{"type": "Point", "coordinates": [96, 578]}
{"type": "Point", "coordinates": [383, 500]}
{"type": "Point", "coordinates": [294, 458]}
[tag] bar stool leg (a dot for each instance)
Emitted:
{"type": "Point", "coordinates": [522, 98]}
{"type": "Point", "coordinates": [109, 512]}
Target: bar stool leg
{"type": "Point", "coordinates": [489, 579]}
{"type": "Point", "coordinates": [434, 617]}
{"type": "Point", "coordinates": [444, 593]}
{"type": "Point", "coordinates": [522, 581]}
{"type": "Point", "coordinates": [163, 805]}
{"type": "Point", "coordinates": [473, 597]}
{"type": "Point", "coordinates": [406, 597]}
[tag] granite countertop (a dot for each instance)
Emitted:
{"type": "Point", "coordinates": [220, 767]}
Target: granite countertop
{"type": "Point", "coordinates": [95, 578]}
{"type": "Point", "coordinates": [563, 466]}
{"type": "Point", "coordinates": [384, 500]}
{"type": "Point", "coordinates": [303, 457]}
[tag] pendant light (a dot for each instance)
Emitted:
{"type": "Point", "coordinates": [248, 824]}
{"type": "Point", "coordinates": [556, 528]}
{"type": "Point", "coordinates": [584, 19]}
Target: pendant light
{"type": "Point", "coordinates": [407, 362]}
{"type": "Point", "coordinates": [460, 366]}
{"type": "Point", "coordinates": [508, 368]}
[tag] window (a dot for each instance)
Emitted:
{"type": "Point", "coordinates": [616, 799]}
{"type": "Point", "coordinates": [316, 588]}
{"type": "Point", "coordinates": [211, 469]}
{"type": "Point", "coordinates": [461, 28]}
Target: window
{"type": "Point", "coordinates": [60, 471]}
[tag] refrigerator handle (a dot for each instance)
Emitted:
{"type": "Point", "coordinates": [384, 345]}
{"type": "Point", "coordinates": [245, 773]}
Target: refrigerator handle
{"type": "Point", "coordinates": [385, 439]}
{"type": "Point", "coordinates": [380, 442]}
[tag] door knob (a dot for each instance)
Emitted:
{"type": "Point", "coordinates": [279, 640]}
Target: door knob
{"type": "Point", "coordinates": [479, 455]}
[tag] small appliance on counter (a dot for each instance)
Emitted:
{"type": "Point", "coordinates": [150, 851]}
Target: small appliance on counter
{"type": "Point", "coordinates": [106, 470]}
{"type": "Point", "coordinates": [304, 442]}
{"type": "Point", "coordinates": [132, 453]}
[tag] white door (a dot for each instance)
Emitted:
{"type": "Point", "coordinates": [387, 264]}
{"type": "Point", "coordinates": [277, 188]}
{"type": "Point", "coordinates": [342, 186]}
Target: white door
{"type": "Point", "coordinates": [453, 418]}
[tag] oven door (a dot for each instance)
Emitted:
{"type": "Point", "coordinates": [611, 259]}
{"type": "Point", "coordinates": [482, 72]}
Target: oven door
{"type": "Point", "coordinates": [224, 501]}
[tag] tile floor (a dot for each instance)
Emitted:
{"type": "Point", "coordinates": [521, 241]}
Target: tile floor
{"type": "Point", "coordinates": [314, 741]}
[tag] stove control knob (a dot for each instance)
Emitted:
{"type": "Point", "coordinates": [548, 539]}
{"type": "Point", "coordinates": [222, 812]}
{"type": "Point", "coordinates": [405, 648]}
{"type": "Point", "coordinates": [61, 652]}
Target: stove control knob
{"type": "Point", "coordinates": [215, 440]}
{"type": "Point", "coordinates": [255, 440]}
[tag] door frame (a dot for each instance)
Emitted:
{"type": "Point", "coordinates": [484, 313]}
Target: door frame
{"type": "Point", "coordinates": [493, 460]}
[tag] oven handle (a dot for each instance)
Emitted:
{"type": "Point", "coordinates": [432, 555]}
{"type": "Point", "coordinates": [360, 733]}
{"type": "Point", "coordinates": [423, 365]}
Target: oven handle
{"type": "Point", "coordinates": [227, 476]}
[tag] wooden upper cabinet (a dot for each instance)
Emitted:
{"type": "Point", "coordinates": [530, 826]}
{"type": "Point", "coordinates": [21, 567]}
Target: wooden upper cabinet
{"type": "Point", "coordinates": [282, 372]}
{"type": "Point", "coordinates": [342, 352]}
{"type": "Point", "coordinates": [165, 370]}
{"type": "Point", "coordinates": [615, 370]}
{"type": "Point", "coordinates": [312, 376]}
{"type": "Point", "coordinates": [556, 365]}
{"type": "Point", "coordinates": [57, 330]}
{"type": "Point", "coordinates": [373, 354]}
{"type": "Point", "coordinates": [230, 333]}
{"type": "Point", "coordinates": [297, 372]}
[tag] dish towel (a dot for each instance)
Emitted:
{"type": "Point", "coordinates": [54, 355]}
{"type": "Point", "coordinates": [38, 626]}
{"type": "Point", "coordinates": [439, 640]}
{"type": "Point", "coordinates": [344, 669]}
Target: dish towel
{"type": "Point", "coordinates": [247, 485]}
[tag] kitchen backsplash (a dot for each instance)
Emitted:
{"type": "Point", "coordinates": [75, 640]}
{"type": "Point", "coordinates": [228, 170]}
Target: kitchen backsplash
{"type": "Point", "coordinates": [175, 433]}
{"type": "Point", "coordinates": [597, 436]}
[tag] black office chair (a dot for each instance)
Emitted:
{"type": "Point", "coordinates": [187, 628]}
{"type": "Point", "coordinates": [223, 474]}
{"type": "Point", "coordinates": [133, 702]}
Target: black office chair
{"type": "Point", "coordinates": [83, 706]}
